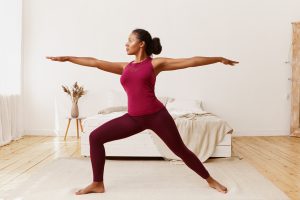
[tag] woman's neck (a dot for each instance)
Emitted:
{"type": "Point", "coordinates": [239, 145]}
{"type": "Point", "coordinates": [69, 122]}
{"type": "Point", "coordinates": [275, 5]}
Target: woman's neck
{"type": "Point", "coordinates": [140, 57]}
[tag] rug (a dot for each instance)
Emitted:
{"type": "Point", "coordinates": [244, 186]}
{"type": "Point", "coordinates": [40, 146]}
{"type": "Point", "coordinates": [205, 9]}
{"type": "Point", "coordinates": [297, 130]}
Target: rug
{"type": "Point", "coordinates": [145, 180]}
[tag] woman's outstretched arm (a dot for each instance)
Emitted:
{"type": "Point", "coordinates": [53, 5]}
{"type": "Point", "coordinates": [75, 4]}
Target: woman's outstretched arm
{"type": "Point", "coordinates": [113, 67]}
{"type": "Point", "coordinates": [166, 64]}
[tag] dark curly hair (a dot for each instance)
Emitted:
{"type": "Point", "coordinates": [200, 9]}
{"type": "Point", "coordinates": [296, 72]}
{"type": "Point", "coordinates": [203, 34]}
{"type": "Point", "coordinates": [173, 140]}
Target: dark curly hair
{"type": "Point", "coordinates": [153, 45]}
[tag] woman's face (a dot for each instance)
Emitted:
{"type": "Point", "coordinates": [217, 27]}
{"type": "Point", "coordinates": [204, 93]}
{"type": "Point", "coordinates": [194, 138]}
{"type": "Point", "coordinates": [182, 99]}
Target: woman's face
{"type": "Point", "coordinates": [133, 45]}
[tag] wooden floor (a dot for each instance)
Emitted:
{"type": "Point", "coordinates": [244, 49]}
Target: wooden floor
{"type": "Point", "coordinates": [277, 158]}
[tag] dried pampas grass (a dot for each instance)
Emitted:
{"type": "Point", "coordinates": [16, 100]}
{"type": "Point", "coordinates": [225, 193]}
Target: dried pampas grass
{"type": "Point", "coordinates": [75, 93]}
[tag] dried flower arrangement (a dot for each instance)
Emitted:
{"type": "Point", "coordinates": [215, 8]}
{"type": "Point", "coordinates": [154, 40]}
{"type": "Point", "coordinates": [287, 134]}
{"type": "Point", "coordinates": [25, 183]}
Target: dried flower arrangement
{"type": "Point", "coordinates": [76, 93]}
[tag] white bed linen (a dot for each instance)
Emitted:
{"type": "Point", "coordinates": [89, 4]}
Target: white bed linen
{"type": "Point", "coordinates": [201, 133]}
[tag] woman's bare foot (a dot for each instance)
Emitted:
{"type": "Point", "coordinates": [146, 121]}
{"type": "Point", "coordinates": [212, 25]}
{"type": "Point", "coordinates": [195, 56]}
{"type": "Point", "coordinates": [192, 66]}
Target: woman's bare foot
{"type": "Point", "coordinates": [95, 187]}
{"type": "Point", "coordinates": [216, 185]}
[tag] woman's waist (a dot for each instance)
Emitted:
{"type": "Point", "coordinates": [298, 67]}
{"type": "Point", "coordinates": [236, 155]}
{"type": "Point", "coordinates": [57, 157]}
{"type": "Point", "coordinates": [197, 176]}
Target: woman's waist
{"type": "Point", "coordinates": [138, 108]}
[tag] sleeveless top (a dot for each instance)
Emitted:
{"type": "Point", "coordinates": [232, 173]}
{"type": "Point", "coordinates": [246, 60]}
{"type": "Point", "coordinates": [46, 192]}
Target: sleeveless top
{"type": "Point", "coordinates": [138, 80]}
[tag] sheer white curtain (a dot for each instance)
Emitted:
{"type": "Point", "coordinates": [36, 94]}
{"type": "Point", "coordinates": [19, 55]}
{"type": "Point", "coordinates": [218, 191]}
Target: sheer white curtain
{"type": "Point", "coordinates": [11, 123]}
{"type": "Point", "coordinates": [11, 126]}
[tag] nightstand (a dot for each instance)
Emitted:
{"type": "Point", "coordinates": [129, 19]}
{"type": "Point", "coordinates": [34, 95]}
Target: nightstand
{"type": "Point", "coordinates": [78, 121]}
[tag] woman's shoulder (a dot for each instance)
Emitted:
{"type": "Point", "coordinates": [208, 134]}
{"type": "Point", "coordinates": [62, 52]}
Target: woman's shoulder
{"type": "Point", "coordinates": [126, 64]}
{"type": "Point", "coordinates": [157, 61]}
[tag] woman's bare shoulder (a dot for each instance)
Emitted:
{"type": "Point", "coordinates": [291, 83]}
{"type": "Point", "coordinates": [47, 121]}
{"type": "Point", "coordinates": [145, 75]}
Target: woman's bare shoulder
{"type": "Point", "coordinates": [124, 64]}
{"type": "Point", "coordinates": [156, 62]}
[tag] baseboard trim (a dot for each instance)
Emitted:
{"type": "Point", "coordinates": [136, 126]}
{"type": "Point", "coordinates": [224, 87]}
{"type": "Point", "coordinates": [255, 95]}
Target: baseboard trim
{"type": "Point", "coordinates": [261, 133]}
{"type": "Point", "coordinates": [48, 132]}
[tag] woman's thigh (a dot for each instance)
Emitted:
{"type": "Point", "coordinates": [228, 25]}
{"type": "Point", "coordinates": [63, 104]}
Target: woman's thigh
{"type": "Point", "coordinates": [117, 128]}
{"type": "Point", "coordinates": [165, 127]}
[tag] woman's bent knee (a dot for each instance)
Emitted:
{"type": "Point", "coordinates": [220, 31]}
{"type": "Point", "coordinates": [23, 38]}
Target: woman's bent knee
{"type": "Point", "coordinates": [95, 137]}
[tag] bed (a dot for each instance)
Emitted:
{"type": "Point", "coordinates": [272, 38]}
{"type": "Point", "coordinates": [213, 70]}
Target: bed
{"type": "Point", "coordinates": [204, 133]}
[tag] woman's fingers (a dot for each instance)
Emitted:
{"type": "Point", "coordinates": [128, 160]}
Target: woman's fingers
{"type": "Point", "coordinates": [51, 58]}
{"type": "Point", "coordinates": [229, 62]}
{"type": "Point", "coordinates": [60, 58]}
{"type": "Point", "coordinates": [233, 62]}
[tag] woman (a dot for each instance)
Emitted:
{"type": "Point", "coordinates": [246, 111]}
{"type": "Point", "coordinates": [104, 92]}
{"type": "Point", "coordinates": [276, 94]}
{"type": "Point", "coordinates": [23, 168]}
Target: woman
{"type": "Point", "coordinates": [145, 111]}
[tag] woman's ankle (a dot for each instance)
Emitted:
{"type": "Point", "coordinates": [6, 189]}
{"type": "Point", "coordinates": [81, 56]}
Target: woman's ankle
{"type": "Point", "coordinates": [97, 183]}
{"type": "Point", "coordinates": [209, 179]}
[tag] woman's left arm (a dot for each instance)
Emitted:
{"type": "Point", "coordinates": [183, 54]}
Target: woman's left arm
{"type": "Point", "coordinates": [166, 64]}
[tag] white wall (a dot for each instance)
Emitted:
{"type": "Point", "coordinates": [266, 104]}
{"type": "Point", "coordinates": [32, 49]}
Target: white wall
{"type": "Point", "coordinates": [252, 96]}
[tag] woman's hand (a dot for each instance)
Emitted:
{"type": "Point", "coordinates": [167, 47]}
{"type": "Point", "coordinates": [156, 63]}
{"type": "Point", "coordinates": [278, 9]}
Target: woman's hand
{"type": "Point", "coordinates": [113, 67]}
{"type": "Point", "coordinates": [228, 62]}
{"type": "Point", "coordinates": [59, 58]}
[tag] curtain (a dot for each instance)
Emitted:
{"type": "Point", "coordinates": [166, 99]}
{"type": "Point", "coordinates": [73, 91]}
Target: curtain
{"type": "Point", "coordinates": [11, 122]}
{"type": "Point", "coordinates": [11, 114]}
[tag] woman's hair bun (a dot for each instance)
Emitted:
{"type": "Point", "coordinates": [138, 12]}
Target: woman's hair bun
{"type": "Point", "coordinates": [156, 46]}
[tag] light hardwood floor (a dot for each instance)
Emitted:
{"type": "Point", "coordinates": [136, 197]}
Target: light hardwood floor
{"type": "Point", "coordinates": [277, 158]}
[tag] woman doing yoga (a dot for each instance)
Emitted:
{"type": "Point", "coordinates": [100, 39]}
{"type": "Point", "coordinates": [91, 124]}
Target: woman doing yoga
{"type": "Point", "coordinates": [145, 111]}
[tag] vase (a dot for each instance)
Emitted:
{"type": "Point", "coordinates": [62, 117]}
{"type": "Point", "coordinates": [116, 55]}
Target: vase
{"type": "Point", "coordinates": [74, 110]}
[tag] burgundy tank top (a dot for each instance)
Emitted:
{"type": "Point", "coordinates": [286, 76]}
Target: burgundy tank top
{"type": "Point", "coordinates": [138, 80]}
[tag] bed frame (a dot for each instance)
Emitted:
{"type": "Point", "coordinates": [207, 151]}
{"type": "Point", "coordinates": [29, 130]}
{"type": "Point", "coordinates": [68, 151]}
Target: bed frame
{"type": "Point", "coordinates": [142, 145]}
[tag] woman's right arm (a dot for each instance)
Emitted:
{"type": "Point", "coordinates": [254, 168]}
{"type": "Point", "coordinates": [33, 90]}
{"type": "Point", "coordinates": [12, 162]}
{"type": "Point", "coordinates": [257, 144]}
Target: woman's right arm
{"type": "Point", "coordinates": [113, 67]}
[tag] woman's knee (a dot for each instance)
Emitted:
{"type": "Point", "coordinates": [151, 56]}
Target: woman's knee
{"type": "Point", "coordinates": [96, 137]}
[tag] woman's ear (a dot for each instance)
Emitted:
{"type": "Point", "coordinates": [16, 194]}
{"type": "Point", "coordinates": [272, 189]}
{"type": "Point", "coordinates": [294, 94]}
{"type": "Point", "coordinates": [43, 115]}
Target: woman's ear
{"type": "Point", "coordinates": [142, 44]}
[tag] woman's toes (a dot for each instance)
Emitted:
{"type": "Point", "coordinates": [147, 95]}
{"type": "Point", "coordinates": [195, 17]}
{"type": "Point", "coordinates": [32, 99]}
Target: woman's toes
{"type": "Point", "coordinates": [78, 192]}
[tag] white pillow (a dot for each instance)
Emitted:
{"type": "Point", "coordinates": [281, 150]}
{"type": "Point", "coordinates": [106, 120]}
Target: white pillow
{"type": "Point", "coordinates": [164, 99]}
{"type": "Point", "coordinates": [182, 106]}
{"type": "Point", "coordinates": [116, 98]}
{"type": "Point", "coordinates": [113, 109]}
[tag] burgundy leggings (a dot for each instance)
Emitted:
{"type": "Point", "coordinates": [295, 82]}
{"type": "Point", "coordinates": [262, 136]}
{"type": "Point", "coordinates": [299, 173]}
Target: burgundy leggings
{"type": "Point", "coordinates": [161, 122]}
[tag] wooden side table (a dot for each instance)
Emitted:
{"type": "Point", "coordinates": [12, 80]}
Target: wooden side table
{"type": "Point", "coordinates": [78, 120]}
